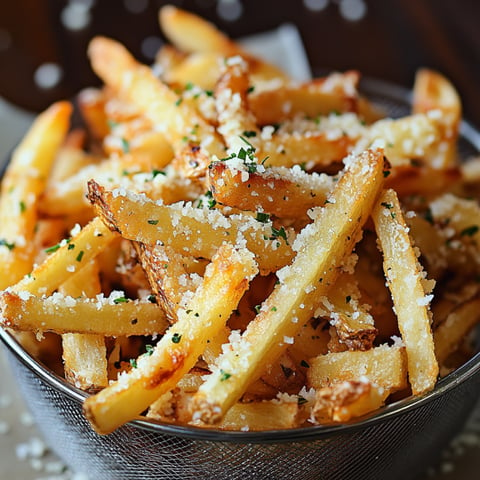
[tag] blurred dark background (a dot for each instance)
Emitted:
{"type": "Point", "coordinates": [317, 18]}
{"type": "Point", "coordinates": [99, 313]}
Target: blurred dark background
{"type": "Point", "coordinates": [43, 42]}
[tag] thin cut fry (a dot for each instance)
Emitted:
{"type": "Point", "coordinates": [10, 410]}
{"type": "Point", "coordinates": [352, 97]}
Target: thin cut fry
{"type": "Point", "coordinates": [110, 316]}
{"type": "Point", "coordinates": [407, 286]}
{"type": "Point", "coordinates": [23, 183]}
{"type": "Point", "coordinates": [345, 400]}
{"type": "Point", "coordinates": [384, 366]}
{"type": "Point", "coordinates": [66, 258]}
{"type": "Point", "coordinates": [196, 232]}
{"type": "Point", "coordinates": [277, 191]}
{"type": "Point", "coordinates": [137, 84]}
{"type": "Point", "coordinates": [225, 281]}
{"type": "Point", "coordinates": [84, 355]}
{"type": "Point", "coordinates": [455, 328]}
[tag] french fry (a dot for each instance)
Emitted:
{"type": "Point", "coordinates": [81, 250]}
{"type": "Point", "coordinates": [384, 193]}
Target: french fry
{"type": "Point", "coordinates": [418, 137]}
{"type": "Point", "coordinates": [66, 258]}
{"type": "Point", "coordinates": [337, 92]}
{"type": "Point", "coordinates": [253, 416]}
{"type": "Point", "coordinates": [385, 366]}
{"type": "Point", "coordinates": [277, 191]}
{"type": "Point", "coordinates": [455, 328]}
{"type": "Point", "coordinates": [409, 292]}
{"type": "Point", "coordinates": [190, 34]}
{"type": "Point", "coordinates": [91, 104]}
{"type": "Point", "coordinates": [201, 69]}
{"type": "Point", "coordinates": [137, 84]}
{"type": "Point", "coordinates": [353, 324]}
{"type": "Point", "coordinates": [23, 182]}
{"type": "Point", "coordinates": [168, 276]}
{"type": "Point", "coordinates": [107, 316]}
{"type": "Point", "coordinates": [346, 400]}
{"type": "Point", "coordinates": [196, 232]}
{"type": "Point", "coordinates": [433, 92]}
{"type": "Point", "coordinates": [225, 281]}
{"type": "Point", "coordinates": [231, 101]}
{"type": "Point", "coordinates": [328, 240]}
{"type": "Point", "coordinates": [84, 355]}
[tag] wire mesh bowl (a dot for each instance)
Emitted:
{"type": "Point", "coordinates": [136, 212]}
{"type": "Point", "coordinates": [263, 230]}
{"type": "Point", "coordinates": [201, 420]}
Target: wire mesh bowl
{"type": "Point", "coordinates": [398, 442]}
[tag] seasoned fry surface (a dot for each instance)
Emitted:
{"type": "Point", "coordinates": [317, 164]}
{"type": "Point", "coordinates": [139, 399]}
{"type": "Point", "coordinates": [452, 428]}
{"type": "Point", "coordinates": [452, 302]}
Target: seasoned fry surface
{"type": "Point", "coordinates": [222, 247]}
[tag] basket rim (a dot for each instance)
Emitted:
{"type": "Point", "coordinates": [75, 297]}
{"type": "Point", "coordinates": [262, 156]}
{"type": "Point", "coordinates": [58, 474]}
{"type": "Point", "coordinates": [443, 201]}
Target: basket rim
{"type": "Point", "coordinates": [471, 368]}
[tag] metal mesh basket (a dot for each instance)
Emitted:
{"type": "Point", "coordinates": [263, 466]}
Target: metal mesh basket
{"type": "Point", "coordinates": [396, 443]}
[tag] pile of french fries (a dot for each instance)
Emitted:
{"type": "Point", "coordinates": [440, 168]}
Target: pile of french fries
{"type": "Point", "coordinates": [220, 246]}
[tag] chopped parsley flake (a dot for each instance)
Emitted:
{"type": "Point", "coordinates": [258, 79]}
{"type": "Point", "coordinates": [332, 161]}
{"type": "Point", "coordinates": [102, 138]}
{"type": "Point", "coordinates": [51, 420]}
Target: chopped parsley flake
{"type": "Point", "coordinates": [149, 349]}
{"type": "Point", "coordinates": [152, 222]}
{"type": "Point", "coordinates": [469, 231]}
{"type": "Point", "coordinates": [176, 337]}
{"type": "Point", "coordinates": [302, 400]}
{"type": "Point", "coordinates": [287, 371]}
{"type": "Point", "coordinates": [156, 172]}
{"type": "Point", "coordinates": [9, 245]}
{"type": "Point", "coordinates": [53, 248]}
{"type": "Point", "coordinates": [120, 300]}
{"type": "Point", "coordinates": [224, 375]}
{"type": "Point", "coordinates": [80, 256]}
{"type": "Point", "coordinates": [279, 233]}
{"type": "Point", "coordinates": [211, 202]}
{"type": "Point", "coordinates": [125, 145]}
{"type": "Point", "coordinates": [133, 363]}
{"type": "Point", "coordinates": [262, 217]}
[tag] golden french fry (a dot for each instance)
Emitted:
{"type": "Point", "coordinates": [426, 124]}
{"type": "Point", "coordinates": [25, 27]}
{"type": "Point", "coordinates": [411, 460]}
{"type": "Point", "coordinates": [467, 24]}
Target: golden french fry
{"type": "Point", "coordinates": [23, 183]}
{"type": "Point", "coordinates": [337, 92]}
{"type": "Point", "coordinates": [225, 281]}
{"type": "Point", "coordinates": [418, 137]}
{"type": "Point", "coordinates": [343, 401]}
{"type": "Point", "coordinates": [191, 34]}
{"type": "Point", "coordinates": [453, 330]}
{"type": "Point", "coordinates": [385, 366]}
{"type": "Point", "coordinates": [107, 316]}
{"type": "Point", "coordinates": [433, 92]}
{"type": "Point", "coordinates": [66, 258]}
{"type": "Point", "coordinates": [196, 232]}
{"type": "Point", "coordinates": [91, 104]}
{"type": "Point", "coordinates": [353, 323]}
{"type": "Point", "coordinates": [84, 355]}
{"type": "Point", "coordinates": [138, 85]}
{"type": "Point", "coordinates": [168, 276]}
{"type": "Point", "coordinates": [410, 294]}
{"type": "Point", "coordinates": [277, 191]}
{"type": "Point", "coordinates": [234, 116]}
{"type": "Point", "coordinates": [320, 251]}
